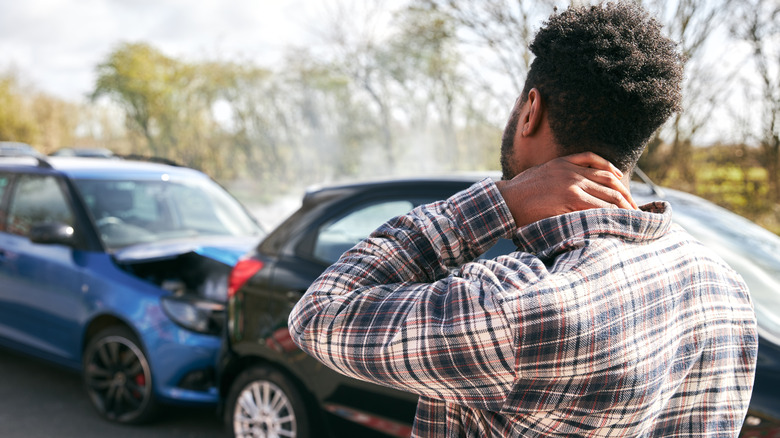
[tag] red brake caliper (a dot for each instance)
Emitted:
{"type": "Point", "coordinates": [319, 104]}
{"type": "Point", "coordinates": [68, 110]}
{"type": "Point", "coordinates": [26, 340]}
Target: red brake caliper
{"type": "Point", "coordinates": [140, 380]}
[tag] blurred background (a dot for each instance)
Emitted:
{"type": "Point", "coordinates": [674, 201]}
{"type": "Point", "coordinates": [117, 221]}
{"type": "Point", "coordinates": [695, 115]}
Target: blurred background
{"type": "Point", "coordinates": [270, 97]}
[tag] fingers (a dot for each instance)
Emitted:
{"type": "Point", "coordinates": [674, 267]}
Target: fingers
{"type": "Point", "coordinates": [590, 159]}
{"type": "Point", "coordinates": [608, 196]}
{"type": "Point", "coordinates": [607, 187]}
{"type": "Point", "coordinates": [607, 177]}
{"type": "Point", "coordinates": [585, 201]}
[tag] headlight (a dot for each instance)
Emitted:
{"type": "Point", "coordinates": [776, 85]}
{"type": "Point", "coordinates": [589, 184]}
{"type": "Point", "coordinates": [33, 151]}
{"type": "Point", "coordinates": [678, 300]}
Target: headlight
{"type": "Point", "coordinates": [195, 314]}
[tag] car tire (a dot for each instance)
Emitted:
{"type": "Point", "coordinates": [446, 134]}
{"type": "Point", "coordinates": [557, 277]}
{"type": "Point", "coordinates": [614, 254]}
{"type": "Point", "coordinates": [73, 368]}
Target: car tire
{"type": "Point", "coordinates": [118, 378]}
{"type": "Point", "coordinates": [263, 402]}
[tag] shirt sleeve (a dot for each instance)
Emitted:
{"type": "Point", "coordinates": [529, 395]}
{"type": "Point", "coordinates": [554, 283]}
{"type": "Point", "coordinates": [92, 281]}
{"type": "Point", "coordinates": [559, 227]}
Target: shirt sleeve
{"type": "Point", "coordinates": [394, 310]}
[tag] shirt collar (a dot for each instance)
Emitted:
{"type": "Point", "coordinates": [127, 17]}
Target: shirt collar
{"type": "Point", "coordinates": [551, 236]}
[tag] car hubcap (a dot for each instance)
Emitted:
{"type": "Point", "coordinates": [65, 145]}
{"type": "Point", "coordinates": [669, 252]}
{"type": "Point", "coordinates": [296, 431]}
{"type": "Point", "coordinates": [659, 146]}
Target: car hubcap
{"type": "Point", "coordinates": [116, 376]}
{"type": "Point", "coordinates": [263, 410]}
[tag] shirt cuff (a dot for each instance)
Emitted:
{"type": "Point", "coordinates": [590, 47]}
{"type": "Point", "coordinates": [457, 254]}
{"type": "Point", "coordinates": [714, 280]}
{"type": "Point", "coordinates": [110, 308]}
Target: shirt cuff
{"type": "Point", "coordinates": [483, 215]}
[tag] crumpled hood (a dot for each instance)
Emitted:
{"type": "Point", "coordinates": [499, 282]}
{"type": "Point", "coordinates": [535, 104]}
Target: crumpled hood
{"type": "Point", "coordinates": [223, 249]}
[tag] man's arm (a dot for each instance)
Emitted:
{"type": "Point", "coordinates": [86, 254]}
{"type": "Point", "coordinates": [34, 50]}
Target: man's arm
{"type": "Point", "coordinates": [390, 312]}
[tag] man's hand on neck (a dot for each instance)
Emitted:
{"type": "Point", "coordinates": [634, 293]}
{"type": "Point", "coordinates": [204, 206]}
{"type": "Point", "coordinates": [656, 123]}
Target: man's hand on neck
{"type": "Point", "coordinates": [563, 185]}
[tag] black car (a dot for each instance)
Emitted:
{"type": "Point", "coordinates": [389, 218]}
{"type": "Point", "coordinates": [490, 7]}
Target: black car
{"type": "Point", "coordinates": [269, 385]}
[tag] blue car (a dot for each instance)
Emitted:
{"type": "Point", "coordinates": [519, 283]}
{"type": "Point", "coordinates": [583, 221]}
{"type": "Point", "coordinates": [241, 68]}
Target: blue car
{"type": "Point", "coordinates": [118, 269]}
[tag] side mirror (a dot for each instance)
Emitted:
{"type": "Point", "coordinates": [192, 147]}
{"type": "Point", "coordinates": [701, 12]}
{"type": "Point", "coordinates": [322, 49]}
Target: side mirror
{"type": "Point", "coordinates": [52, 233]}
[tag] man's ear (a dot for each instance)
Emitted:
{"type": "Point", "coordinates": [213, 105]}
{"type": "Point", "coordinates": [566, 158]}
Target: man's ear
{"type": "Point", "coordinates": [532, 118]}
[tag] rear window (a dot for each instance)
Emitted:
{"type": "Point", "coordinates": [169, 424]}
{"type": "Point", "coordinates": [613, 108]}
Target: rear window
{"type": "Point", "coordinates": [336, 237]}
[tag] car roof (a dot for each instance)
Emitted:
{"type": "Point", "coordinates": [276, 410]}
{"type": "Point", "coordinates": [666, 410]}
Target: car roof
{"type": "Point", "coordinates": [319, 193]}
{"type": "Point", "coordinates": [91, 168]}
{"type": "Point", "coordinates": [14, 145]}
{"type": "Point", "coordinates": [16, 148]}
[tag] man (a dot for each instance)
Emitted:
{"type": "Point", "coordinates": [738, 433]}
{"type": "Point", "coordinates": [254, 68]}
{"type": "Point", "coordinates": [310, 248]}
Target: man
{"type": "Point", "coordinates": [605, 322]}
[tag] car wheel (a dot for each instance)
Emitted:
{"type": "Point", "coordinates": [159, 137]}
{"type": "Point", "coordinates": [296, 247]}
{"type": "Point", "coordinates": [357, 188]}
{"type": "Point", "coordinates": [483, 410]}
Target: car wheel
{"type": "Point", "coordinates": [117, 376]}
{"type": "Point", "coordinates": [264, 403]}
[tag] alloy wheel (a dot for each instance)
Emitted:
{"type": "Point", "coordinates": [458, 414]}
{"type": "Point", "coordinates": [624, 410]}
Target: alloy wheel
{"type": "Point", "coordinates": [263, 410]}
{"type": "Point", "coordinates": [118, 378]}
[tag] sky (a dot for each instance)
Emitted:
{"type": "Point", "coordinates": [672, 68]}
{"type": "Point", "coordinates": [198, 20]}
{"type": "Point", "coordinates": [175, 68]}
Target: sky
{"type": "Point", "coordinates": [55, 45]}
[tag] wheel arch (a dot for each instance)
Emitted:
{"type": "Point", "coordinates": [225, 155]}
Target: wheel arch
{"type": "Point", "coordinates": [102, 322]}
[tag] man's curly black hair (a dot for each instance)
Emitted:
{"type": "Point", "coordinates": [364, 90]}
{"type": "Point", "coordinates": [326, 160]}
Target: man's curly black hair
{"type": "Point", "coordinates": [608, 77]}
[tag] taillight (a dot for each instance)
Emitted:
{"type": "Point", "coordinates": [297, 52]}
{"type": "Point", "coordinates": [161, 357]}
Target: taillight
{"type": "Point", "coordinates": [241, 273]}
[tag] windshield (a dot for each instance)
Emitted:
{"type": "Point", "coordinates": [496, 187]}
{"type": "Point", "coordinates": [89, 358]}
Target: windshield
{"type": "Point", "coordinates": [128, 212]}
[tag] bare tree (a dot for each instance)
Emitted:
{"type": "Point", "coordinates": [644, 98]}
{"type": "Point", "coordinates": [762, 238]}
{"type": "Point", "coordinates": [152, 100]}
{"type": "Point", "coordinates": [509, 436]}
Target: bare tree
{"type": "Point", "coordinates": [404, 66]}
{"type": "Point", "coordinates": [495, 35]}
{"type": "Point", "coordinates": [422, 60]}
{"type": "Point", "coordinates": [355, 53]}
{"type": "Point", "coordinates": [692, 24]}
{"type": "Point", "coordinates": [758, 25]}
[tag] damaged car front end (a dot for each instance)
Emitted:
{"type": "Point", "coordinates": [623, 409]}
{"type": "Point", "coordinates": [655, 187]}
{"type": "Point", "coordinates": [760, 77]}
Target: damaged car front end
{"type": "Point", "coordinates": [119, 269]}
{"type": "Point", "coordinates": [192, 276]}
{"type": "Point", "coordinates": [193, 273]}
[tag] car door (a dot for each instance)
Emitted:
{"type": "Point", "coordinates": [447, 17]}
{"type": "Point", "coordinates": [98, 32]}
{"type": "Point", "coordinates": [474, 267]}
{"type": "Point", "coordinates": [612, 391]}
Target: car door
{"type": "Point", "coordinates": [323, 245]}
{"type": "Point", "coordinates": [40, 284]}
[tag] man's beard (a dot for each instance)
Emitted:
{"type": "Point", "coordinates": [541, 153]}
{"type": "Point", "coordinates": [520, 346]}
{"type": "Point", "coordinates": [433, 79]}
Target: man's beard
{"type": "Point", "coordinates": [507, 146]}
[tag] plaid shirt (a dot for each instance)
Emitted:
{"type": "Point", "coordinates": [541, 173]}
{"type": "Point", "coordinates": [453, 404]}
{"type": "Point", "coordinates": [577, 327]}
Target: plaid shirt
{"type": "Point", "coordinates": [604, 323]}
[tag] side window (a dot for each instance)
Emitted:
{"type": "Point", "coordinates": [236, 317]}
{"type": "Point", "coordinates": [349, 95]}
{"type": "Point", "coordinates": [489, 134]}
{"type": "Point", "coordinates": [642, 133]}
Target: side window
{"type": "Point", "coordinates": [37, 199]}
{"type": "Point", "coordinates": [343, 233]}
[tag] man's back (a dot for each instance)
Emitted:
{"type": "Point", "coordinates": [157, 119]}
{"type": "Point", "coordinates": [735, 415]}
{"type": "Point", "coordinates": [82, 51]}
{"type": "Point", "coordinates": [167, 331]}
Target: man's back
{"type": "Point", "coordinates": [606, 322]}
{"type": "Point", "coordinates": [628, 326]}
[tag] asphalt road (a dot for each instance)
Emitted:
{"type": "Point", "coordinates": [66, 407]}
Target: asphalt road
{"type": "Point", "coordinates": [39, 400]}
